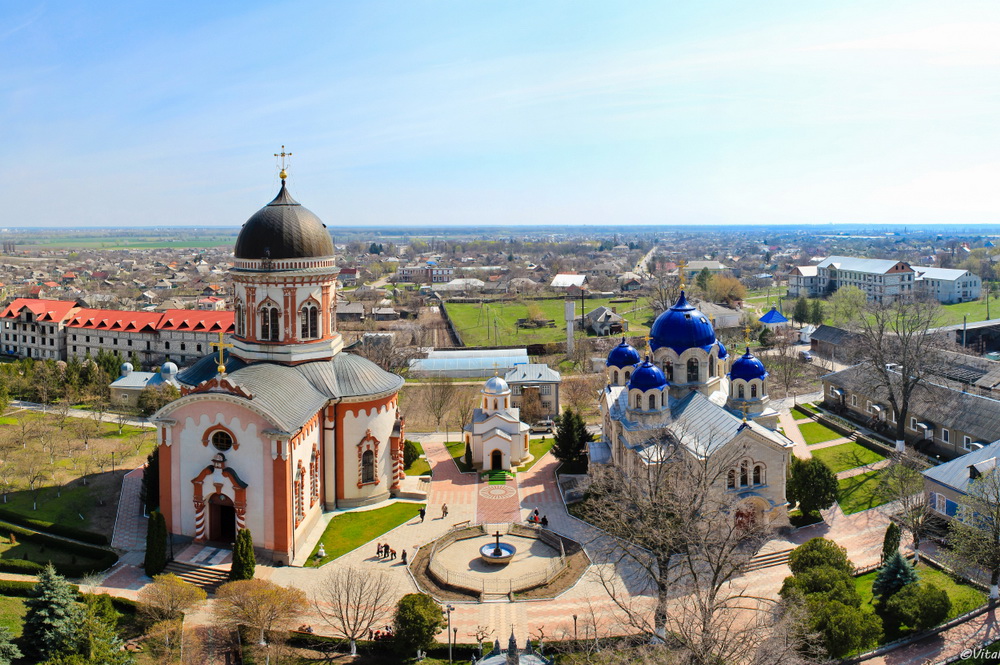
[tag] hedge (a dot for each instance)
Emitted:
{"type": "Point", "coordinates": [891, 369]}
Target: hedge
{"type": "Point", "coordinates": [56, 529]}
{"type": "Point", "coordinates": [102, 558]}
{"type": "Point", "coordinates": [16, 588]}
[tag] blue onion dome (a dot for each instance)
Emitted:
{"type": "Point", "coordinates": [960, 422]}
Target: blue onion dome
{"type": "Point", "coordinates": [747, 367]}
{"type": "Point", "coordinates": [647, 377]}
{"type": "Point", "coordinates": [495, 386]}
{"type": "Point", "coordinates": [723, 354]}
{"type": "Point", "coordinates": [623, 355]}
{"type": "Point", "coordinates": [682, 327]}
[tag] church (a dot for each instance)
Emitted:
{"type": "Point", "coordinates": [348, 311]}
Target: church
{"type": "Point", "coordinates": [691, 391]}
{"type": "Point", "coordinates": [282, 424]}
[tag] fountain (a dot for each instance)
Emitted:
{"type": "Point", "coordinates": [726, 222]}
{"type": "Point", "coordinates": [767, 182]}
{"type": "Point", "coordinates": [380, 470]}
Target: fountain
{"type": "Point", "coordinates": [498, 553]}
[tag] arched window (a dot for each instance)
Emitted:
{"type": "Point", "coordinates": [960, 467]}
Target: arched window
{"type": "Point", "coordinates": [628, 375]}
{"type": "Point", "coordinates": [744, 474]}
{"type": "Point", "coordinates": [269, 323]}
{"type": "Point", "coordinates": [731, 479]}
{"type": "Point", "coordinates": [753, 390]}
{"type": "Point", "coordinates": [758, 474]}
{"type": "Point", "coordinates": [668, 370]}
{"type": "Point", "coordinates": [739, 391]}
{"type": "Point", "coordinates": [496, 404]}
{"type": "Point", "coordinates": [692, 370]}
{"type": "Point", "coordinates": [333, 319]}
{"type": "Point", "coordinates": [309, 321]}
{"type": "Point", "coordinates": [368, 467]}
{"type": "Point", "coordinates": [712, 365]}
{"type": "Point", "coordinates": [638, 401]}
{"type": "Point", "coordinates": [314, 477]}
{"type": "Point", "coordinates": [652, 401]}
{"type": "Point", "coordinates": [300, 504]}
{"type": "Point", "coordinates": [241, 328]}
{"type": "Point", "coordinates": [615, 375]}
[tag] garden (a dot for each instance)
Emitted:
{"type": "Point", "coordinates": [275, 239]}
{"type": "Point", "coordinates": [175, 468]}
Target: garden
{"type": "Point", "coordinates": [814, 433]}
{"type": "Point", "coordinates": [351, 530]}
{"type": "Point", "coordinates": [847, 456]}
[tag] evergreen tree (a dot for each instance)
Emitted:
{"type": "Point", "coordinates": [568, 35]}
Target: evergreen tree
{"type": "Point", "coordinates": [704, 278]}
{"type": "Point", "coordinates": [812, 484]}
{"type": "Point", "coordinates": [893, 576]}
{"type": "Point", "coordinates": [819, 552]}
{"type": "Point", "coordinates": [96, 639]}
{"type": "Point", "coordinates": [766, 337]}
{"type": "Point", "coordinates": [150, 489]}
{"type": "Point", "coordinates": [410, 453]}
{"type": "Point", "coordinates": [570, 446]}
{"type": "Point", "coordinates": [468, 455]}
{"type": "Point", "coordinates": [244, 562]}
{"type": "Point", "coordinates": [418, 619]}
{"type": "Point", "coordinates": [135, 360]}
{"type": "Point", "coordinates": [8, 650]}
{"type": "Point", "coordinates": [890, 544]}
{"type": "Point", "coordinates": [801, 311]}
{"type": "Point", "coordinates": [156, 544]}
{"type": "Point", "coordinates": [816, 313]}
{"type": "Point", "coordinates": [53, 615]}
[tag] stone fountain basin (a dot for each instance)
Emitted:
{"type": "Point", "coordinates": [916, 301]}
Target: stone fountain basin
{"type": "Point", "coordinates": [486, 553]}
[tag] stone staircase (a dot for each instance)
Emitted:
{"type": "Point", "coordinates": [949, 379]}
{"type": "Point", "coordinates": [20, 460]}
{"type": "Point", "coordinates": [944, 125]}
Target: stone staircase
{"type": "Point", "coordinates": [207, 578]}
{"type": "Point", "coordinates": [769, 560]}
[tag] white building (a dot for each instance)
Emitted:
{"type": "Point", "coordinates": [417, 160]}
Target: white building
{"type": "Point", "coordinates": [879, 279]}
{"type": "Point", "coordinates": [948, 285]}
{"type": "Point", "coordinates": [496, 436]}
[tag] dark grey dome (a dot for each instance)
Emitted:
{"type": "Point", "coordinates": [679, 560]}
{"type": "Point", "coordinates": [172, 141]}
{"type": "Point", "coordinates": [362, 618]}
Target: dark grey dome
{"type": "Point", "coordinates": [283, 229]}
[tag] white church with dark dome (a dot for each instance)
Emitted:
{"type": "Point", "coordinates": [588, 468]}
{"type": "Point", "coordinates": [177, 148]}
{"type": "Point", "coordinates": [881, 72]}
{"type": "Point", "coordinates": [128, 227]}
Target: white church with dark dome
{"type": "Point", "coordinates": [689, 388]}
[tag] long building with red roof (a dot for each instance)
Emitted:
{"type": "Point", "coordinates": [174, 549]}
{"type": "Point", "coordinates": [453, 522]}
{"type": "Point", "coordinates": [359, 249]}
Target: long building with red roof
{"type": "Point", "coordinates": [61, 329]}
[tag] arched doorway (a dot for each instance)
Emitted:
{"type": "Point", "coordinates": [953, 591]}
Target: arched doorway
{"type": "Point", "coordinates": [496, 460]}
{"type": "Point", "coordinates": [221, 519]}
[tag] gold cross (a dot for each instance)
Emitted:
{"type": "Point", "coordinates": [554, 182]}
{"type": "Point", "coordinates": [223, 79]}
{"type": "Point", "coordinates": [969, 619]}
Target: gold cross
{"type": "Point", "coordinates": [746, 333]}
{"type": "Point", "coordinates": [283, 154]}
{"type": "Point", "coordinates": [680, 271]}
{"type": "Point", "coordinates": [744, 408]}
{"type": "Point", "coordinates": [220, 345]}
{"type": "Point", "coordinates": [649, 340]}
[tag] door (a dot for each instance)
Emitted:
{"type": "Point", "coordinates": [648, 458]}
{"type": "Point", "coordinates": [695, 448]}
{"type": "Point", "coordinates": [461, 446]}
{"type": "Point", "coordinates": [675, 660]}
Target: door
{"type": "Point", "coordinates": [221, 519]}
{"type": "Point", "coordinates": [497, 460]}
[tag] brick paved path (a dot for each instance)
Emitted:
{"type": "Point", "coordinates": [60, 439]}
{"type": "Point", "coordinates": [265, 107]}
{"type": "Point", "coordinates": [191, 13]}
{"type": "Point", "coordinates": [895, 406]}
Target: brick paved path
{"type": "Point", "coordinates": [130, 523]}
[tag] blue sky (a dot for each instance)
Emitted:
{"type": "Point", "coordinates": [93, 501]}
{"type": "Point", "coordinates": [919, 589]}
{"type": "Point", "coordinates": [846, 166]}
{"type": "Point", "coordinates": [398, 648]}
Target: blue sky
{"type": "Point", "coordinates": [465, 112]}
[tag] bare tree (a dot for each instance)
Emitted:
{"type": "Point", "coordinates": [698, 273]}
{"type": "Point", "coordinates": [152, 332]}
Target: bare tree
{"type": "Point", "coordinates": [27, 426]}
{"type": "Point", "coordinates": [783, 364]}
{"type": "Point", "coordinates": [676, 536]}
{"type": "Point", "coordinates": [893, 339]}
{"type": "Point", "coordinates": [438, 396]}
{"type": "Point", "coordinates": [258, 604]}
{"type": "Point", "coordinates": [482, 633]}
{"type": "Point", "coordinates": [86, 429]}
{"type": "Point", "coordinates": [167, 597]}
{"type": "Point", "coordinates": [531, 404]}
{"type": "Point", "coordinates": [580, 392]}
{"type": "Point", "coordinates": [464, 403]}
{"type": "Point", "coordinates": [662, 291]}
{"type": "Point", "coordinates": [354, 601]}
{"type": "Point", "coordinates": [33, 474]}
{"type": "Point", "coordinates": [903, 486]}
{"type": "Point", "coordinates": [8, 472]}
{"type": "Point", "coordinates": [123, 414]}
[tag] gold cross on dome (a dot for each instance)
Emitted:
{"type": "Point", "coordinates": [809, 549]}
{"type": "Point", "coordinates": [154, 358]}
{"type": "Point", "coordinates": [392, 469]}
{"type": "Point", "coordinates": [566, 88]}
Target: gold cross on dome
{"type": "Point", "coordinates": [680, 271]}
{"type": "Point", "coordinates": [283, 154]}
{"type": "Point", "coordinates": [746, 333]}
{"type": "Point", "coordinates": [649, 339]}
{"type": "Point", "coordinates": [220, 345]}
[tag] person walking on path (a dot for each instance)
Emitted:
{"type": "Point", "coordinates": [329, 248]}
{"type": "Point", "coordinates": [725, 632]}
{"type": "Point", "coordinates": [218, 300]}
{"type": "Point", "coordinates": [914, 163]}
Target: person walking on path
{"type": "Point", "coordinates": [444, 510]}
{"type": "Point", "coordinates": [423, 513]}
{"type": "Point", "coordinates": [402, 557]}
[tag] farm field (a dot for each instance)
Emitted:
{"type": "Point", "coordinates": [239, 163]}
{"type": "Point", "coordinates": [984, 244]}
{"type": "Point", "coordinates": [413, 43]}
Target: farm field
{"type": "Point", "coordinates": [148, 242]}
{"type": "Point", "coordinates": [475, 321]}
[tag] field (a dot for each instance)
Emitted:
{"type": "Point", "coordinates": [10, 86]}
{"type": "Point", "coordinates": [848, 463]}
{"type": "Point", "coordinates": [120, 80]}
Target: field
{"type": "Point", "coordinates": [817, 433]}
{"type": "Point", "coordinates": [847, 456]}
{"type": "Point", "coordinates": [477, 323]}
{"type": "Point", "coordinates": [349, 531]}
{"type": "Point", "coordinates": [137, 242]}
{"type": "Point", "coordinates": [860, 492]}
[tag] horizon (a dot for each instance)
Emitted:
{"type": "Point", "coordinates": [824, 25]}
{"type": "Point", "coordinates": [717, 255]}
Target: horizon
{"type": "Point", "coordinates": [454, 115]}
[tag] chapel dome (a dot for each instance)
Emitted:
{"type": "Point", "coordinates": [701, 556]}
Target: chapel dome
{"type": "Point", "coordinates": [623, 355]}
{"type": "Point", "coordinates": [682, 327]}
{"type": "Point", "coordinates": [747, 367]}
{"type": "Point", "coordinates": [495, 386]}
{"type": "Point", "coordinates": [647, 377]}
{"type": "Point", "coordinates": [283, 229]}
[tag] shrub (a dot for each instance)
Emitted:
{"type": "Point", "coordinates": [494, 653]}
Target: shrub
{"type": "Point", "coordinates": [916, 606]}
{"type": "Point", "coordinates": [844, 629]}
{"type": "Point", "coordinates": [418, 619]}
{"type": "Point", "coordinates": [244, 563]}
{"type": "Point", "coordinates": [156, 544]}
{"type": "Point", "coordinates": [819, 552]}
{"type": "Point", "coordinates": [833, 583]}
{"type": "Point", "coordinates": [890, 544]}
{"type": "Point", "coordinates": [893, 576]}
{"type": "Point", "coordinates": [812, 484]}
{"type": "Point", "coordinates": [411, 453]}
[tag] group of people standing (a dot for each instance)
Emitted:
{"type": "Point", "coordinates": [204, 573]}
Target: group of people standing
{"type": "Point", "coordinates": [384, 552]}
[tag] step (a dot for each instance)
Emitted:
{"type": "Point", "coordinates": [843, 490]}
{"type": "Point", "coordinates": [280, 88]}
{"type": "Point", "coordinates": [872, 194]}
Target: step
{"type": "Point", "coordinates": [208, 579]}
{"type": "Point", "coordinates": [769, 560]}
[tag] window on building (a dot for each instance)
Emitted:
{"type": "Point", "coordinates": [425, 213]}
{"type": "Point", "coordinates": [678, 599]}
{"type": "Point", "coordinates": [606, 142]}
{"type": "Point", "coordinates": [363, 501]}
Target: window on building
{"type": "Point", "coordinates": [222, 441]}
{"type": "Point", "coordinates": [309, 321]}
{"type": "Point", "coordinates": [854, 400]}
{"type": "Point", "coordinates": [731, 479]}
{"type": "Point", "coordinates": [753, 390]}
{"type": "Point", "coordinates": [368, 467]}
{"type": "Point", "coordinates": [692, 368]}
{"type": "Point", "coordinates": [744, 474]}
{"type": "Point", "coordinates": [967, 442]}
{"type": "Point", "coordinates": [638, 401]}
{"type": "Point", "coordinates": [739, 391]}
{"type": "Point", "coordinates": [945, 435]}
{"type": "Point", "coordinates": [758, 474]}
{"type": "Point", "coordinates": [615, 377]}
{"type": "Point", "coordinates": [546, 389]}
{"type": "Point", "coordinates": [238, 319]}
{"type": "Point", "coordinates": [652, 401]}
{"type": "Point", "coordinates": [269, 324]}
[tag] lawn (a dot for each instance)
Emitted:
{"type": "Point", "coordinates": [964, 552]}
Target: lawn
{"type": "Point", "coordinates": [860, 492]}
{"type": "Point", "coordinates": [12, 611]}
{"type": "Point", "coordinates": [538, 448]}
{"type": "Point", "coordinates": [847, 456]}
{"type": "Point", "coordinates": [420, 466]}
{"type": "Point", "coordinates": [814, 433]}
{"type": "Point", "coordinates": [352, 530]}
{"type": "Point", "coordinates": [477, 322]}
{"type": "Point", "coordinates": [457, 451]}
{"type": "Point", "coordinates": [964, 598]}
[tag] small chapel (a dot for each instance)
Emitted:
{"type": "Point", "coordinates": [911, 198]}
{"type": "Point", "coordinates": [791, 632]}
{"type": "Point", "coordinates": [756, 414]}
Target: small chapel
{"type": "Point", "coordinates": [689, 390]}
{"type": "Point", "coordinates": [496, 436]}
{"type": "Point", "coordinates": [283, 424]}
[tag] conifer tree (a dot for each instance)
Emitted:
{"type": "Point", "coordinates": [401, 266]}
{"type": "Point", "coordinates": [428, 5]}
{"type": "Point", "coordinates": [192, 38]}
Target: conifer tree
{"type": "Point", "coordinates": [571, 438]}
{"type": "Point", "coordinates": [156, 544]}
{"type": "Point", "coordinates": [893, 576]}
{"type": "Point", "coordinates": [50, 624]}
{"type": "Point", "coordinates": [8, 650]}
{"type": "Point", "coordinates": [816, 313]}
{"type": "Point", "coordinates": [890, 544]}
{"type": "Point", "coordinates": [468, 455]}
{"type": "Point", "coordinates": [801, 311]}
{"type": "Point", "coordinates": [244, 563]}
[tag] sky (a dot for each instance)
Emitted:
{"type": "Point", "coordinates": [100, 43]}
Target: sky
{"type": "Point", "coordinates": [466, 112]}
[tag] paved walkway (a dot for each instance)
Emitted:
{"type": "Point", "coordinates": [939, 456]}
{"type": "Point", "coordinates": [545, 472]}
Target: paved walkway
{"type": "Point", "coordinates": [130, 523]}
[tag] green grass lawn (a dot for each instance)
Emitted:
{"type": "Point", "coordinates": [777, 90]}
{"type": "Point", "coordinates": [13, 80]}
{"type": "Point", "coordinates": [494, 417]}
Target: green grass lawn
{"type": "Point", "coordinates": [351, 530]}
{"type": "Point", "coordinates": [860, 492]}
{"type": "Point", "coordinates": [964, 598]}
{"type": "Point", "coordinates": [457, 451]}
{"type": "Point", "coordinates": [847, 456]}
{"type": "Point", "coordinates": [65, 509]}
{"type": "Point", "coordinates": [976, 310]}
{"type": "Point", "coordinates": [814, 433]}
{"type": "Point", "coordinates": [420, 466]}
{"type": "Point", "coordinates": [538, 448]}
{"type": "Point", "coordinates": [810, 407]}
{"type": "Point", "coordinates": [12, 611]}
{"type": "Point", "coordinates": [475, 321]}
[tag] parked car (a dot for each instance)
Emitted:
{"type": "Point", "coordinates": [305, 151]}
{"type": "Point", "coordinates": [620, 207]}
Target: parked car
{"type": "Point", "coordinates": [805, 356]}
{"type": "Point", "coordinates": [546, 426]}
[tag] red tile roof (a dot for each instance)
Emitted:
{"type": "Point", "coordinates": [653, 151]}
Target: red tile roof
{"type": "Point", "coordinates": [44, 310]}
{"type": "Point", "coordinates": [115, 320]}
{"type": "Point", "coordinates": [195, 320]}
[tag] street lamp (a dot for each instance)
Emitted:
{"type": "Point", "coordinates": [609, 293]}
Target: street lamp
{"type": "Point", "coordinates": [576, 635]}
{"type": "Point", "coordinates": [450, 609]}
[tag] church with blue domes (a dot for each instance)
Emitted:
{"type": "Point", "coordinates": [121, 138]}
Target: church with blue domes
{"type": "Point", "coordinates": [688, 388]}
